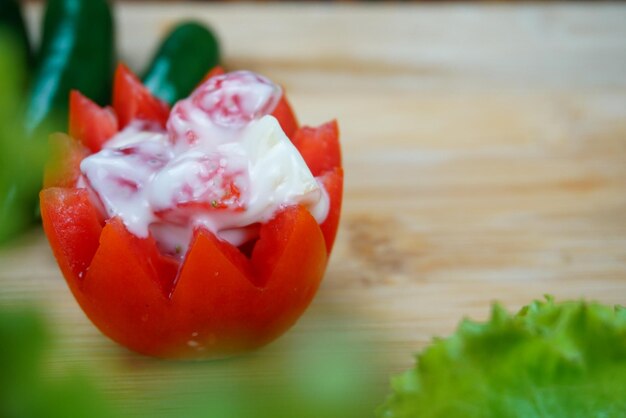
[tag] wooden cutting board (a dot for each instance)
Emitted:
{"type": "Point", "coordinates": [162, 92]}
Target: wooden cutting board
{"type": "Point", "coordinates": [485, 159]}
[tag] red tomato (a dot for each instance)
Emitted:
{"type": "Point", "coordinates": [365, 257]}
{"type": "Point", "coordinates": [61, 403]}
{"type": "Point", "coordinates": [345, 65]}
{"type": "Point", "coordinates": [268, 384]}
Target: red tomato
{"type": "Point", "coordinates": [286, 117]}
{"type": "Point", "coordinates": [319, 147]}
{"type": "Point", "coordinates": [73, 228]}
{"type": "Point", "coordinates": [333, 183]}
{"type": "Point", "coordinates": [220, 299]}
{"type": "Point", "coordinates": [89, 123]}
{"type": "Point", "coordinates": [132, 100]}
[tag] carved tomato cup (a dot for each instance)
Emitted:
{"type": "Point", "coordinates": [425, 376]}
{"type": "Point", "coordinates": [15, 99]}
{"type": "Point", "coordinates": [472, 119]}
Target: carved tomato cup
{"type": "Point", "coordinates": [216, 300]}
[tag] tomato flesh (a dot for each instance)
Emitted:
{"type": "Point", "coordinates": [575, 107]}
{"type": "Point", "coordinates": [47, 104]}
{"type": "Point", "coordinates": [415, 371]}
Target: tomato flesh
{"type": "Point", "coordinates": [133, 101]}
{"type": "Point", "coordinates": [90, 123]}
{"type": "Point", "coordinates": [319, 147]}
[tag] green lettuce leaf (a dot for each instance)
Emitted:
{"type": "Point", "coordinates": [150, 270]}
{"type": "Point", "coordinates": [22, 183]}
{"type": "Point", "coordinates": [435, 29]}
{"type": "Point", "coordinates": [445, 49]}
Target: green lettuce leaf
{"type": "Point", "coordinates": [548, 360]}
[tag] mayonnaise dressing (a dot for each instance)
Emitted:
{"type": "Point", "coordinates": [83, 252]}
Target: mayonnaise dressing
{"type": "Point", "coordinates": [222, 163]}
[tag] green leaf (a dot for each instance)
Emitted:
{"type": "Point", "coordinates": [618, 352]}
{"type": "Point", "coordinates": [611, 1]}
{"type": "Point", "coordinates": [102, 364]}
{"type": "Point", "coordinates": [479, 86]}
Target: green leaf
{"type": "Point", "coordinates": [548, 360]}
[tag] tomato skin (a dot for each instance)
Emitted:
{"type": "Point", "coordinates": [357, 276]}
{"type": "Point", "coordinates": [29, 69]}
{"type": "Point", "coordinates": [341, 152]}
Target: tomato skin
{"type": "Point", "coordinates": [242, 312]}
{"type": "Point", "coordinates": [286, 117]}
{"type": "Point", "coordinates": [73, 227]}
{"type": "Point", "coordinates": [132, 100]}
{"type": "Point", "coordinates": [319, 147]}
{"type": "Point", "coordinates": [218, 300]}
{"type": "Point", "coordinates": [121, 293]}
{"type": "Point", "coordinates": [221, 301]}
{"type": "Point", "coordinates": [90, 123]}
{"type": "Point", "coordinates": [333, 183]}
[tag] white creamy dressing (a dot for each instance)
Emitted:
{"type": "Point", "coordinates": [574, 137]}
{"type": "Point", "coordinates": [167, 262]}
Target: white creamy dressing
{"type": "Point", "coordinates": [223, 163]}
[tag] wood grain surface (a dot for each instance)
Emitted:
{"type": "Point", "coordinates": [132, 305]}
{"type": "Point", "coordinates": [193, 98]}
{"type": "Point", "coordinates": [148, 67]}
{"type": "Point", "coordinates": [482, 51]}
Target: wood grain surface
{"type": "Point", "coordinates": [485, 158]}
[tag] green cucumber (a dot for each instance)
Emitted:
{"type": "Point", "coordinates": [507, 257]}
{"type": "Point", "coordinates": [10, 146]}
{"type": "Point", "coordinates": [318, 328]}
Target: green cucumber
{"type": "Point", "coordinates": [77, 52]}
{"type": "Point", "coordinates": [183, 59]}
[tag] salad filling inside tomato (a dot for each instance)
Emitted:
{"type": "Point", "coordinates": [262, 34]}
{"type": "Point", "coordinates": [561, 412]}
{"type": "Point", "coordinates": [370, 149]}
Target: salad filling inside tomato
{"type": "Point", "coordinates": [222, 163]}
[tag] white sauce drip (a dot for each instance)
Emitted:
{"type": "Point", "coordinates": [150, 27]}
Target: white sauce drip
{"type": "Point", "coordinates": [223, 163]}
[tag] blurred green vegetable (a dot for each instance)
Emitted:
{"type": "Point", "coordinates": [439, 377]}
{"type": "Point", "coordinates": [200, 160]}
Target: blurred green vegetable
{"type": "Point", "coordinates": [12, 24]}
{"type": "Point", "coordinates": [548, 360]}
{"type": "Point", "coordinates": [186, 55]}
{"type": "Point", "coordinates": [77, 52]}
{"type": "Point", "coordinates": [25, 389]}
{"type": "Point", "coordinates": [21, 159]}
{"type": "Point", "coordinates": [321, 374]}
{"type": "Point", "coordinates": [325, 374]}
